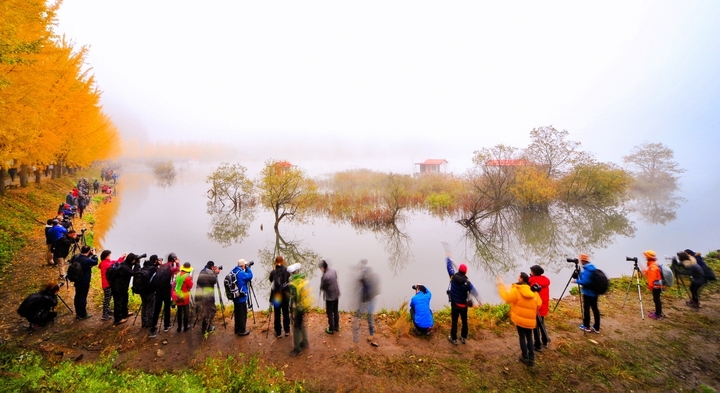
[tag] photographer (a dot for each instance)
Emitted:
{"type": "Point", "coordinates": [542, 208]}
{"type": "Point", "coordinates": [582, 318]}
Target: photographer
{"type": "Point", "coordinates": [539, 333]}
{"type": "Point", "coordinates": [590, 297]}
{"type": "Point", "coordinates": [331, 291]}
{"type": "Point", "coordinates": [61, 249]}
{"type": "Point", "coordinates": [181, 296]}
{"type": "Point", "coordinates": [39, 307]}
{"type": "Point", "coordinates": [243, 275]}
{"type": "Point", "coordinates": [120, 284]}
{"type": "Point", "coordinates": [420, 312]}
{"type": "Point", "coordinates": [87, 259]}
{"type": "Point", "coordinates": [162, 286]}
{"type": "Point", "coordinates": [205, 295]}
{"type": "Point", "coordinates": [279, 296]}
{"type": "Point", "coordinates": [105, 264]}
{"type": "Point", "coordinates": [688, 266]}
{"type": "Point", "coordinates": [524, 302]}
{"type": "Point", "coordinates": [654, 282]}
{"type": "Point", "coordinates": [141, 286]}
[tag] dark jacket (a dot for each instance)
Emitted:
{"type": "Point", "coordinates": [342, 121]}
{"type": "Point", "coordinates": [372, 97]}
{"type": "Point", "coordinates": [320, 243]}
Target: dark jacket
{"type": "Point", "coordinates": [329, 285]}
{"type": "Point", "coordinates": [37, 303]}
{"type": "Point", "coordinates": [279, 280]}
{"type": "Point", "coordinates": [460, 286]}
{"type": "Point", "coordinates": [87, 264]}
{"type": "Point", "coordinates": [122, 281]}
{"type": "Point", "coordinates": [61, 247]}
{"type": "Point", "coordinates": [206, 283]}
{"type": "Point", "coordinates": [693, 269]}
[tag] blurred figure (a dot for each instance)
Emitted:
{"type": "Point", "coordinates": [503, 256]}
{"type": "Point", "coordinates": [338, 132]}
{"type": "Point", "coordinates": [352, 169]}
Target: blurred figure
{"type": "Point", "coordinates": [368, 287]}
{"type": "Point", "coordinates": [420, 312]}
{"type": "Point", "coordinates": [540, 336]}
{"type": "Point", "coordinates": [280, 296]}
{"type": "Point", "coordinates": [331, 292]}
{"type": "Point", "coordinates": [301, 302]}
{"type": "Point", "coordinates": [181, 296]}
{"type": "Point", "coordinates": [39, 308]}
{"type": "Point", "coordinates": [688, 266]}
{"type": "Point", "coordinates": [205, 295]}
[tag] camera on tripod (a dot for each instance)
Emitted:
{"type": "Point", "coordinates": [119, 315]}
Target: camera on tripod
{"type": "Point", "coordinates": [250, 263]}
{"type": "Point", "coordinates": [142, 256]}
{"type": "Point", "coordinates": [633, 259]}
{"type": "Point", "coordinates": [572, 260]}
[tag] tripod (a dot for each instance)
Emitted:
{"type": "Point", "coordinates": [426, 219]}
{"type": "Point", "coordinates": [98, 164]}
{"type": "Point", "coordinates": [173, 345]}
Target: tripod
{"type": "Point", "coordinates": [682, 282]}
{"type": "Point", "coordinates": [249, 301]}
{"type": "Point", "coordinates": [575, 274]}
{"type": "Point", "coordinates": [635, 274]}
{"type": "Point", "coordinates": [66, 305]}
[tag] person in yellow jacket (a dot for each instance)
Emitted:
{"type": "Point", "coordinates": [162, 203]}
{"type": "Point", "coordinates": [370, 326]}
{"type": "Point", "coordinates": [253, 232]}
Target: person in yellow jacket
{"type": "Point", "coordinates": [524, 303]}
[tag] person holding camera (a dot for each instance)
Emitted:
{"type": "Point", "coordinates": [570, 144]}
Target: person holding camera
{"type": "Point", "coordinates": [205, 295]}
{"type": "Point", "coordinates": [524, 302]}
{"type": "Point", "coordinates": [331, 291]}
{"type": "Point", "coordinates": [105, 264]}
{"type": "Point", "coordinates": [280, 297]}
{"type": "Point", "coordinates": [120, 284]}
{"type": "Point", "coordinates": [39, 308]}
{"type": "Point", "coordinates": [420, 312]}
{"type": "Point", "coordinates": [162, 285]}
{"type": "Point", "coordinates": [87, 259]}
{"type": "Point", "coordinates": [61, 249]}
{"type": "Point", "coordinates": [243, 275]}
{"type": "Point", "coordinates": [688, 266]}
{"type": "Point", "coordinates": [142, 285]}
{"type": "Point", "coordinates": [654, 282]}
{"type": "Point", "coordinates": [590, 297]}
{"type": "Point", "coordinates": [458, 294]}
{"type": "Point", "coordinates": [181, 296]}
{"type": "Point", "coordinates": [539, 333]}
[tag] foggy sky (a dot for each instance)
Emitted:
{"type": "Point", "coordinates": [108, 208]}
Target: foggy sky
{"type": "Point", "coordinates": [403, 81]}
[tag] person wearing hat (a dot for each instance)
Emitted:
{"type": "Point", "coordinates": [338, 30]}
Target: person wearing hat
{"type": "Point", "coordinates": [280, 297]}
{"type": "Point", "coordinates": [654, 282]}
{"type": "Point", "coordinates": [420, 312]}
{"type": "Point", "coordinates": [104, 265]}
{"type": "Point", "coordinates": [243, 275]}
{"type": "Point", "coordinates": [590, 297]}
{"type": "Point", "coordinates": [524, 303]}
{"type": "Point", "coordinates": [181, 296]}
{"type": "Point", "coordinates": [300, 303]}
{"type": "Point", "coordinates": [459, 292]}
{"type": "Point", "coordinates": [331, 292]}
{"type": "Point", "coordinates": [205, 295]}
{"type": "Point", "coordinates": [540, 336]}
{"type": "Point", "coordinates": [690, 267]}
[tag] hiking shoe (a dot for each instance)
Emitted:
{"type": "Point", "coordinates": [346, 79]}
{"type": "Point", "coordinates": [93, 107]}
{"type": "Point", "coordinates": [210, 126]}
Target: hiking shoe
{"type": "Point", "coordinates": [79, 318]}
{"type": "Point", "coordinates": [153, 333]}
{"type": "Point", "coordinates": [453, 342]}
{"type": "Point", "coordinates": [130, 314]}
{"type": "Point", "coordinates": [245, 333]}
{"type": "Point", "coordinates": [652, 315]}
{"type": "Point", "coordinates": [462, 340]}
{"type": "Point", "coordinates": [287, 334]}
{"type": "Point", "coordinates": [278, 336]}
{"type": "Point", "coordinates": [328, 331]}
{"type": "Point", "coordinates": [538, 349]}
{"type": "Point", "coordinates": [530, 363]}
{"type": "Point", "coordinates": [120, 322]}
{"type": "Point", "coordinates": [523, 360]}
{"type": "Point", "coordinates": [106, 317]}
{"type": "Point", "coordinates": [585, 329]}
{"type": "Point", "coordinates": [595, 330]}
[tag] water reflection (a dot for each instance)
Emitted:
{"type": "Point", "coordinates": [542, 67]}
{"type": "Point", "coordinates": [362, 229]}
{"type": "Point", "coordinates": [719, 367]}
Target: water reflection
{"type": "Point", "coordinates": [294, 251]}
{"type": "Point", "coordinates": [228, 225]}
{"type": "Point", "coordinates": [657, 207]}
{"type": "Point", "coordinates": [164, 174]}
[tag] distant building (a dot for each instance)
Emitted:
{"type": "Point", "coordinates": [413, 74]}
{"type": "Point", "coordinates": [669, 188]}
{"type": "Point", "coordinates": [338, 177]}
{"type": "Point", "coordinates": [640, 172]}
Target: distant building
{"type": "Point", "coordinates": [431, 165]}
{"type": "Point", "coordinates": [283, 166]}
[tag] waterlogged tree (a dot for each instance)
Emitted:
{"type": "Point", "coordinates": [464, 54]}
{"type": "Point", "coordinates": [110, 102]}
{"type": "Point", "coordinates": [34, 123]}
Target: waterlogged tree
{"type": "Point", "coordinates": [286, 191]}
{"type": "Point", "coordinates": [594, 183]}
{"type": "Point", "coordinates": [532, 188]}
{"type": "Point", "coordinates": [164, 173]}
{"type": "Point", "coordinates": [230, 186]}
{"type": "Point", "coordinates": [551, 149]}
{"type": "Point", "coordinates": [653, 166]}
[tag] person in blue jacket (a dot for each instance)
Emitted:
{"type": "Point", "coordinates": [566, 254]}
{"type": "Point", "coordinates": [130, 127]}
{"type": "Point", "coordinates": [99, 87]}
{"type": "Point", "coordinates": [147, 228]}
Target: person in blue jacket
{"type": "Point", "coordinates": [590, 298]}
{"type": "Point", "coordinates": [420, 310]}
{"type": "Point", "coordinates": [243, 275]}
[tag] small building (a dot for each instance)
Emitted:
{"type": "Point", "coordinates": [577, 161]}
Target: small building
{"type": "Point", "coordinates": [283, 167]}
{"type": "Point", "coordinates": [431, 165]}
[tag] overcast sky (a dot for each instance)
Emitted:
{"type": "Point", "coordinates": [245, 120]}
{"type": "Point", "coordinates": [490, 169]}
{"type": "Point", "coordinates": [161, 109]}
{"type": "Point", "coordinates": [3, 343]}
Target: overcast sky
{"type": "Point", "coordinates": [411, 79]}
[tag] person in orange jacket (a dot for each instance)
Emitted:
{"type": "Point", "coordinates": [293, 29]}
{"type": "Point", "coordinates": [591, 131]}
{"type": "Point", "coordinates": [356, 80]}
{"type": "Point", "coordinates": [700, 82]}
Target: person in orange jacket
{"type": "Point", "coordinates": [524, 303]}
{"type": "Point", "coordinates": [655, 281]}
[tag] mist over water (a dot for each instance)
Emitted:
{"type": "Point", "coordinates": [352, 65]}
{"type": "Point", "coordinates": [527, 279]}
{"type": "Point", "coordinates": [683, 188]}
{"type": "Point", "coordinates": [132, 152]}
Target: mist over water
{"type": "Point", "coordinates": [159, 218]}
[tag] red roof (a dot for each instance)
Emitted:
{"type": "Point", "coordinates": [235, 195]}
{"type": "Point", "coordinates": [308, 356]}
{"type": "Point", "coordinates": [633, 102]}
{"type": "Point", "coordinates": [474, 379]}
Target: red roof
{"type": "Point", "coordinates": [507, 163]}
{"type": "Point", "coordinates": [434, 161]}
{"type": "Point", "coordinates": [284, 164]}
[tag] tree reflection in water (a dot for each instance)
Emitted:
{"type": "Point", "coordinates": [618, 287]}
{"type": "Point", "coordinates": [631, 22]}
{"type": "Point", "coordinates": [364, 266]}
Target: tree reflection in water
{"type": "Point", "coordinates": [164, 174]}
{"type": "Point", "coordinates": [229, 224]}
{"type": "Point", "coordinates": [293, 251]}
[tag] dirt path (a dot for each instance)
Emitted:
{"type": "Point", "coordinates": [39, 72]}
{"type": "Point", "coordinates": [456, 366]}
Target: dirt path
{"type": "Point", "coordinates": [678, 353]}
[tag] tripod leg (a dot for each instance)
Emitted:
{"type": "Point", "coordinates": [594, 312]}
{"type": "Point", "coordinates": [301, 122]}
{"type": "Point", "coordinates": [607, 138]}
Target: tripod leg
{"type": "Point", "coordinates": [563, 293]}
{"type": "Point", "coordinates": [636, 273]}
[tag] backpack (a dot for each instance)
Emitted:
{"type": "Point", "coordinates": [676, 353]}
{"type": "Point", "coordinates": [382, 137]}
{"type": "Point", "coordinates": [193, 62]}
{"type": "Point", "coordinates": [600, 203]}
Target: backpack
{"type": "Point", "coordinates": [141, 281]}
{"type": "Point", "coordinates": [709, 273]}
{"type": "Point", "coordinates": [112, 272]}
{"type": "Point", "coordinates": [668, 279]}
{"type": "Point", "coordinates": [231, 289]}
{"type": "Point", "coordinates": [280, 280]}
{"type": "Point", "coordinates": [74, 272]}
{"type": "Point", "coordinates": [301, 298]}
{"type": "Point", "coordinates": [598, 282]}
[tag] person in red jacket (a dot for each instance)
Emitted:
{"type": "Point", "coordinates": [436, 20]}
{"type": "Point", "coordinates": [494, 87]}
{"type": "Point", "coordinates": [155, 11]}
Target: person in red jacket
{"type": "Point", "coordinates": [654, 280]}
{"type": "Point", "coordinates": [104, 265]}
{"type": "Point", "coordinates": [540, 336]}
{"type": "Point", "coordinates": [181, 295]}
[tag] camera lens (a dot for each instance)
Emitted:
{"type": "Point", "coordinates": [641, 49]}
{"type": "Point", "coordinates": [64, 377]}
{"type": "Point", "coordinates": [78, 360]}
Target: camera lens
{"type": "Point", "coordinates": [414, 287]}
{"type": "Point", "coordinates": [572, 260]}
{"type": "Point", "coordinates": [251, 263]}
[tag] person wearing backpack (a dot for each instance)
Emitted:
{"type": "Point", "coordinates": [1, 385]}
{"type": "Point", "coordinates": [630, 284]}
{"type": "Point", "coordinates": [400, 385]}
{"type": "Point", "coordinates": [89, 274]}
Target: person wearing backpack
{"type": "Point", "coordinates": [690, 267]}
{"type": "Point", "coordinates": [589, 296]}
{"type": "Point", "coordinates": [162, 286]}
{"type": "Point", "coordinates": [86, 260]}
{"type": "Point", "coordinates": [119, 277]}
{"type": "Point", "coordinates": [655, 283]}
{"type": "Point", "coordinates": [243, 275]}
{"type": "Point", "coordinates": [39, 308]}
{"type": "Point", "coordinates": [142, 281]}
{"type": "Point", "coordinates": [61, 249]}
{"type": "Point", "coordinates": [181, 296]}
{"type": "Point", "coordinates": [279, 296]}
{"type": "Point", "coordinates": [205, 295]}
{"type": "Point", "coordinates": [105, 264]}
{"type": "Point", "coordinates": [460, 290]}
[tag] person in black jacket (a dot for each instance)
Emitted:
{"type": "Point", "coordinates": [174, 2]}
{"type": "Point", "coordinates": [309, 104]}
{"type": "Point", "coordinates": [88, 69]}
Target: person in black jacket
{"type": "Point", "coordinates": [205, 295]}
{"type": "Point", "coordinates": [61, 249]}
{"type": "Point", "coordinates": [39, 308]}
{"type": "Point", "coordinates": [460, 290]}
{"type": "Point", "coordinates": [120, 285]}
{"type": "Point", "coordinates": [280, 296]}
{"type": "Point", "coordinates": [87, 259]}
{"type": "Point", "coordinates": [162, 284]}
{"type": "Point", "coordinates": [147, 308]}
{"type": "Point", "coordinates": [331, 291]}
{"type": "Point", "coordinates": [688, 266]}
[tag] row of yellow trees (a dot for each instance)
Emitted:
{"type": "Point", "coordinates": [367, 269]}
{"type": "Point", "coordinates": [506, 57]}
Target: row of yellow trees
{"type": "Point", "coordinates": [50, 112]}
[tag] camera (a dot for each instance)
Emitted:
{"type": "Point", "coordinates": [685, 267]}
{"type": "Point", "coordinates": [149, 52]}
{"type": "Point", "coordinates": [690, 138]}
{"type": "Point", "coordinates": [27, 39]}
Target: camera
{"type": "Point", "coordinates": [219, 267]}
{"type": "Point", "coordinates": [572, 260]}
{"type": "Point", "coordinates": [142, 256]}
{"type": "Point", "coordinates": [536, 288]}
{"type": "Point", "coordinates": [250, 263]}
{"type": "Point", "coordinates": [60, 284]}
{"type": "Point", "coordinates": [414, 287]}
{"type": "Point", "coordinates": [633, 259]}
{"type": "Point", "coordinates": [83, 230]}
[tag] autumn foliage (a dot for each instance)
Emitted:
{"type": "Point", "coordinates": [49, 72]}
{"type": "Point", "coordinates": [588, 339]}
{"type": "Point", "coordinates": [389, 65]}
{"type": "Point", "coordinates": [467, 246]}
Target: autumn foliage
{"type": "Point", "coordinates": [49, 102]}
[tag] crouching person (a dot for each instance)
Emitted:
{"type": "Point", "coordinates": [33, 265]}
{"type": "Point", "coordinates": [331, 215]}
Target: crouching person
{"type": "Point", "coordinates": [524, 303]}
{"type": "Point", "coordinates": [39, 308]}
{"type": "Point", "coordinates": [420, 312]}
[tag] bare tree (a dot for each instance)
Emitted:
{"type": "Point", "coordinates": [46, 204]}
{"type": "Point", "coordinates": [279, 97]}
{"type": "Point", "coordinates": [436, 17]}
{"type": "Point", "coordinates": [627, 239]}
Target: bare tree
{"type": "Point", "coordinates": [550, 148]}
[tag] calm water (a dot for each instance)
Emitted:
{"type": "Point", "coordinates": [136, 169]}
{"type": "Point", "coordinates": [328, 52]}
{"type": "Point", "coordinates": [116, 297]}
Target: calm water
{"type": "Point", "coordinates": [159, 220]}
